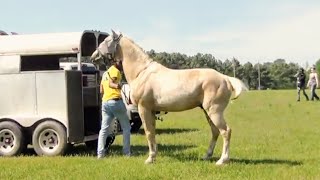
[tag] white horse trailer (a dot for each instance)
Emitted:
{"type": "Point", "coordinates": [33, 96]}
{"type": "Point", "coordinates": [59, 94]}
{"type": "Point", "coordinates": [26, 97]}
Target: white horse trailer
{"type": "Point", "coordinates": [42, 105]}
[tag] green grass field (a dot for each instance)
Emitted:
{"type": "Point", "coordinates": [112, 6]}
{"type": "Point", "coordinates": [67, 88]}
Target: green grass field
{"type": "Point", "coordinates": [274, 137]}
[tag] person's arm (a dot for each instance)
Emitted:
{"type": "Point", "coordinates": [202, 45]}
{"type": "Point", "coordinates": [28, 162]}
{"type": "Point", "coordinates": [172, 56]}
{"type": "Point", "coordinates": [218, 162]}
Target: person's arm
{"type": "Point", "coordinates": [308, 84]}
{"type": "Point", "coordinates": [113, 84]}
{"type": "Point", "coordinates": [113, 73]}
{"type": "Point", "coordinates": [101, 88]}
{"type": "Point", "coordinates": [113, 81]}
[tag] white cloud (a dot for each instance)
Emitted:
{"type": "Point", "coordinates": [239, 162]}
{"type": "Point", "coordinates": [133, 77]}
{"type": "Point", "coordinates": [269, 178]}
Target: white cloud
{"type": "Point", "coordinates": [295, 38]}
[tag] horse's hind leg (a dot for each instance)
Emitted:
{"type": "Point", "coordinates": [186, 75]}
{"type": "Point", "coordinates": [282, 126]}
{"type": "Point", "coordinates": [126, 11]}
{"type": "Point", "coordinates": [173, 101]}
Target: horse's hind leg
{"type": "Point", "coordinates": [149, 125]}
{"type": "Point", "coordinates": [218, 120]}
{"type": "Point", "coordinates": [213, 141]}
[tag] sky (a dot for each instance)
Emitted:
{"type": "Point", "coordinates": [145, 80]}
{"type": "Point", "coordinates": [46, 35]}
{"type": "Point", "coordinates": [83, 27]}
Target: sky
{"type": "Point", "coordinates": [248, 30]}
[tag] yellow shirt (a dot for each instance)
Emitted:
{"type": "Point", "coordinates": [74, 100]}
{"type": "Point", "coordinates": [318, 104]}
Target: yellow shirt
{"type": "Point", "coordinates": [110, 93]}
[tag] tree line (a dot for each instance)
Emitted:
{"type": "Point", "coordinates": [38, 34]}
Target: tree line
{"type": "Point", "coordinates": [273, 75]}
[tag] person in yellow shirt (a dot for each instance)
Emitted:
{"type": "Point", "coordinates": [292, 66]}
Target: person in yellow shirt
{"type": "Point", "coordinates": [113, 107]}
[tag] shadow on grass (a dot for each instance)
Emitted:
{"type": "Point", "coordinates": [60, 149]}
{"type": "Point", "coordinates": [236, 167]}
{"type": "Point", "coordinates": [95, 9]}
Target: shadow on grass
{"type": "Point", "coordinates": [195, 157]}
{"type": "Point", "coordinates": [77, 150]}
{"type": "Point", "coordinates": [169, 131]}
{"type": "Point", "coordinates": [173, 151]}
{"type": "Point", "coordinates": [266, 161]}
{"type": "Point", "coordinates": [140, 150]}
{"type": "Point", "coordinates": [116, 150]}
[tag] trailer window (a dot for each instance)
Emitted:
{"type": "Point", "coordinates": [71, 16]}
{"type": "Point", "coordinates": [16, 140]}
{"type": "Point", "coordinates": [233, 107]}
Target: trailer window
{"type": "Point", "coordinates": [41, 62]}
{"type": "Point", "coordinates": [88, 44]}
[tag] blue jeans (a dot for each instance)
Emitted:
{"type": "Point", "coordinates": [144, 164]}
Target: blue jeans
{"type": "Point", "coordinates": [110, 110]}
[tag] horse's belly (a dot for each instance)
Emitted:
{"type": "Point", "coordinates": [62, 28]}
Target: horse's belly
{"type": "Point", "coordinates": [176, 103]}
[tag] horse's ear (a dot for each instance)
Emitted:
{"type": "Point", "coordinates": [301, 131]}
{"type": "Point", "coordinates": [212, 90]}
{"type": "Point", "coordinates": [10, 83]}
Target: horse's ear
{"type": "Point", "coordinates": [114, 34]}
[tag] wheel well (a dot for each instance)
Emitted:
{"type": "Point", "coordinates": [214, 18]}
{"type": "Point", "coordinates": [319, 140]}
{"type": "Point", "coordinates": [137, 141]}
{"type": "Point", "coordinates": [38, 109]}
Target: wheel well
{"type": "Point", "coordinates": [24, 129]}
{"type": "Point", "coordinates": [33, 127]}
{"type": "Point", "coordinates": [10, 120]}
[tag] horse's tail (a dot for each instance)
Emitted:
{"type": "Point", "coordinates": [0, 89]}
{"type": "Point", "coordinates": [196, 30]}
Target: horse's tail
{"type": "Point", "coordinates": [237, 86]}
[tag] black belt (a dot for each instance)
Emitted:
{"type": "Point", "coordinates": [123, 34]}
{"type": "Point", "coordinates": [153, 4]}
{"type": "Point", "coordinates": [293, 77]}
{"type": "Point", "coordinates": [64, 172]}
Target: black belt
{"type": "Point", "coordinates": [116, 99]}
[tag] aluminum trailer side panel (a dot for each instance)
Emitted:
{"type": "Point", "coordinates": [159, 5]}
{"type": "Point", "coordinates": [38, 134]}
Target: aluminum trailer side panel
{"type": "Point", "coordinates": [29, 97]}
{"type": "Point", "coordinates": [18, 97]}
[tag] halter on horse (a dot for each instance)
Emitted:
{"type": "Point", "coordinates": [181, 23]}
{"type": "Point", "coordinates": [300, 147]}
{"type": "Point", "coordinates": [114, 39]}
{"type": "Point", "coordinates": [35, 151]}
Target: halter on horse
{"type": "Point", "coordinates": [157, 88]}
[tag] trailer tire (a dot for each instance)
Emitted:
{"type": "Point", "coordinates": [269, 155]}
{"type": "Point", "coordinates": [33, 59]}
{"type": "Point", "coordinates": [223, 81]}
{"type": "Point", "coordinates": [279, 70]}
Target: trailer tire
{"type": "Point", "coordinates": [135, 125]}
{"type": "Point", "coordinates": [50, 139]}
{"type": "Point", "coordinates": [92, 145]}
{"type": "Point", "coordinates": [12, 141]}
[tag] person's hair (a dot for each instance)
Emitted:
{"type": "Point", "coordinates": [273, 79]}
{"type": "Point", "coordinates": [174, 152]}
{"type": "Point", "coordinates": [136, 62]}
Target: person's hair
{"type": "Point", "coordinates": [301, 70]}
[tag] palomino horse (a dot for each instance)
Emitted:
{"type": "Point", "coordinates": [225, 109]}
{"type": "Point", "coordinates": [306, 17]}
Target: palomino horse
{"type": "Point", "coordinates": [157, 88]}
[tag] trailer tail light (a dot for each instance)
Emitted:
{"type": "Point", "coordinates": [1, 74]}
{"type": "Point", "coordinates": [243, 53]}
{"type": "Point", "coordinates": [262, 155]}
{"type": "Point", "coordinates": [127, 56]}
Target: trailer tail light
{"type": "Point", "coordinates": [89, 80]}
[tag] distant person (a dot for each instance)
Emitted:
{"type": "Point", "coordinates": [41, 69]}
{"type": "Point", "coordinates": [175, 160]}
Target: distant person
{"type": "Point", "coordinates": [313, 83]}
{"type": "Point", "coordinates": [113, 107]}
{"type": "Point", "coordinates": [301, 83]}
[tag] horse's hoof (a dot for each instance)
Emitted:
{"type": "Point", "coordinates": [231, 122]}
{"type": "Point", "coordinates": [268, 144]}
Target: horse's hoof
{"type": "Point", "coordinates": [149, 161]}
{"type": "Point", "coordinates": [222, 161]}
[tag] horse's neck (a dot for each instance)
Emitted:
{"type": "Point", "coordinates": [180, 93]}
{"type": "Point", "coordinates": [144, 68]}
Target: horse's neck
{"type": "Point", "coordinates": [132, 69]}
{"type": "Point", "coordinates": [134, 60]}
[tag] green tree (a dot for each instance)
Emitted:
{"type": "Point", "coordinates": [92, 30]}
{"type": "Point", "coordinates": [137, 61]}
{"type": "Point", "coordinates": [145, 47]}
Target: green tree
{"type": "Point", "coordinates": [249, 75]}
{"type": "Point", "coordinates": [275, 75]}
{"type": "Point", "coordinates": [282, 74]}
{"type": "Point", "coordinates": [318, 66]}
{"type": "Point", "coordinates": [227, 67]}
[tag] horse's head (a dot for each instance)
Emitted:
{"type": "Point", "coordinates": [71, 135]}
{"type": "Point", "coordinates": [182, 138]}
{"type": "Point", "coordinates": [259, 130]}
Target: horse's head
{"type": "Point", "coordinates": [107, 49]}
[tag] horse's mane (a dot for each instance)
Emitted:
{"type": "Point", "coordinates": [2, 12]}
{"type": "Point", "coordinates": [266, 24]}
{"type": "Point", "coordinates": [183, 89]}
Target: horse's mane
{"type": "Point", "coordinates": [137, 49]}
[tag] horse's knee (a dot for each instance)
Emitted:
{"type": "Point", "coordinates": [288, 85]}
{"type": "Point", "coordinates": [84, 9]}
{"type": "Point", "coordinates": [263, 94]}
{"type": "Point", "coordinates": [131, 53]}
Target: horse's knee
{"type": "Point", "coordinates": [150, 136]}
{"type": "Point", "coordinates": [226, 133]}
{"type": "Point", "coordinates": [229, 131]}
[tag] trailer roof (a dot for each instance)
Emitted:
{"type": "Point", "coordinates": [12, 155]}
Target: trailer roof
{"type": "Point", "coordinates": [40, 44]}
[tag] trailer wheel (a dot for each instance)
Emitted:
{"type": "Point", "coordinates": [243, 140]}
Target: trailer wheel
{"type": "Point", "coordinates": [135, 125]}
{"type": "Point", "coordinates": [92, 145]}
{"type": "Point", "coordinates": [50, 139]}
{"type": "Point", "coordinates": [135, 121]}
{"type": "Point", "coordinates": [11, 139]}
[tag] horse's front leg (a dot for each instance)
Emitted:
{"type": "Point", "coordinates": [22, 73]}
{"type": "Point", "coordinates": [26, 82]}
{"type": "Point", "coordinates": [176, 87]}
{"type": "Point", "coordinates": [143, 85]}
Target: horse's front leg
{"type": "Point", "coordinates": [149, 125]}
